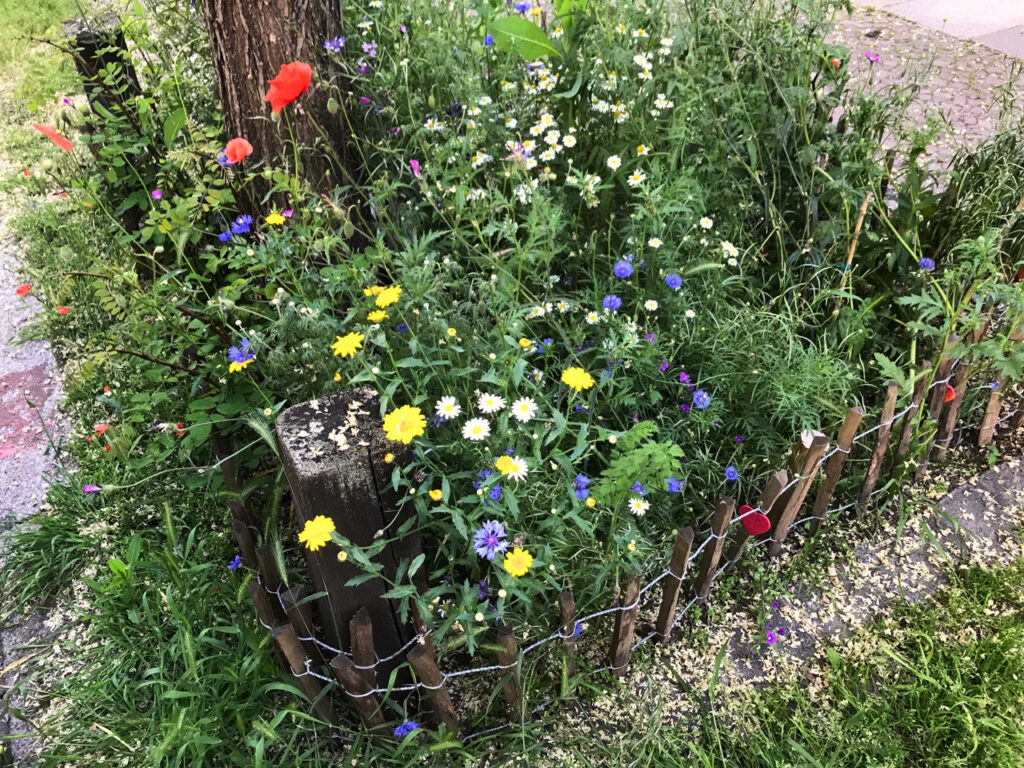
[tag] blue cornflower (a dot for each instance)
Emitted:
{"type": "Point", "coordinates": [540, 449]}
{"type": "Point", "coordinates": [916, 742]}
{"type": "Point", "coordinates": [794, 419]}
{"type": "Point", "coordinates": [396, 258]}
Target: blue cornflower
{"type": "Point", "coordinates": [638, 488]}
{"type": "Point", "coordinates": [481, 590]}
{"type": "Point", "coordinates": [241, 225]}
{"type": "Point", "coordinates": [488, 40]}
{"type": "Point", "coordinates": [612, 302]}
{"type": "Point", "coordinates": [404, 729]}
{"type": "Point", "coordinates": [581, 483]}
{"type": "Point", "coordinates": [489, 539]}
{"type": "Point", "coordinates": [401, 327]}
{"type": "Point", "coordinates": [223, 160]}
{"type": "Point", "coordinates": [335, 45]}
{"type": "Point", "coordinates": [926, 264]}
{"type": "Point", "coordinates": [240, 356]}
{"type": "Point", "coordinates": [495, 492]}
{"type": "Point", "coordinates": [731, 473]}
{"type": "Point", "coordinates": [577, 630]}
{"type": "Point", "coordinates": [522, 7]}
{"type": "Point", "coordinates": [673, 280]}
{"type": "Point", "coordinates": [994, 385]}
{"type": "Point", "coordinates": [622, 269]}
{"type": "Point", "coordinates": [224, 237]}
{"type": "Point", "coordinates": [675, 486]}
{"type": "Point", "coordinates": [233, 565]}
{"type": "Point", "coordinates": [701, 399]}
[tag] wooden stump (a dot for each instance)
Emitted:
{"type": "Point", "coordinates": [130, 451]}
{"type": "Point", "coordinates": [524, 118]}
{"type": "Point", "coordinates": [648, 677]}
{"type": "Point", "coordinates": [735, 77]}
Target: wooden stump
{"type": "Point", "coordinates": [920, 387]}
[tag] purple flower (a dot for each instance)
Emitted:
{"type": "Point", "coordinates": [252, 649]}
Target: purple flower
{"type": "Point", "coordinates": [684, 407]}
{"type": "Point", "coordinates": [67, 100]}
{"type": "Point", "coordinates": [364, 100]}
{"type": "Point", "coordinates": [739, 438]}
{"type": "Point", "coordinates": [233, 565]}
{"type": "Point", "coordinates": [241, 353]}
{"type": "Point", "coordinates": [363, 69]}
{"type": "Point", "coordinates": [872, 56]}
{"type": "Point", "coordinates": [994, 385]}
{"type": "Point", "coordinates": [481, 590]}
{"type": "Point", "coordinates": [522, 7]}
{"type": "Point", "coordinates": [731, 473]}
{"type": "Point", "coordinates": [287, 213]}
{"type": "Point", "coordinates": [335, 45]}
{"type": "Point", "coordinates": [674, 486]}
{"type": "Point", "coordinates": [241, 225]}
{"type": "Point", "coordinates": [701, 399]}
{"type": "Point", "coordinates": [673, 280]}
{"type": "Point", "coordinates": [611, 302]}
{"type": "Point", "coordinates": [156, 194]}
{"type": "Point", "coordinates": [489, 539]}
{"type": "Point", "coordinates": [664, 366]}
{"type": "Point", "coordinates": [622, 269]}
{"type": "Point", "coordinates": [225, 236]}
{"type": "Point", "coordinates": [488, 40]}
{"type": "Point", "coordinates": [402, 328]}
{"type": "Point", "coordinates": [638, 488]}
{"type": "Point", "coordinates": [91, 489]}
{"type": "Point", "coordinates": [404, 729]}
{"type": "Point", "coordinates": [775, 605]}
{"type": "Point", "coordinates": [370, 48]}
{"type": "Point", "coordinates": [581, 482]}
{"type": "Point", "coordinates": [771, 637]}
{"type": "Point", "coordinates": [223, 160]}
{"type": "Point", "coordinates": [577, 630]}
{"type": "Point", "coordinates": [394, 130]}
{"type": "Point", "coordinates": [495, 492]}
{"type": "Point", "coordinates": [684, 377]}
{"type": "Point", "coordinates": [926, 264]}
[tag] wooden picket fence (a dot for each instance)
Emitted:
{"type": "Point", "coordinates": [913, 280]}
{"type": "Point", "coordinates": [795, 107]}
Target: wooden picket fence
{"type": "Point", "coordinates": [409, 663]}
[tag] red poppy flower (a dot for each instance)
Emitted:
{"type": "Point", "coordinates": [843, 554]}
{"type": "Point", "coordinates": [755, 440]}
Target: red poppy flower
{"type": "Point", "coordinates": [290, 83]}
{"type": "Point", "coordinates": [101, 429]}
{"type": "Point", "coordinates": [63, 310]}
{"type": "Point", "coordinates": [51, 133]}
{"type": "Point", "coordinates": [950, 393]}
{"type": "Point", "coordinates": [237, 150]}
{"type": "Point", "coordinates": [181, 429]}
{"type": "Point", "coordinates": [23, 290]}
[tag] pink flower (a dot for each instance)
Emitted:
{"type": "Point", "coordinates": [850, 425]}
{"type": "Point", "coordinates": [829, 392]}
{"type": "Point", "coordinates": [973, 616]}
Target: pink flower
{"type": "Point", "coordinates": [415, 165]}
{"type": "Point", "coordinates": [156, 194]}
{"type": "Point", "coordinates": [91, 489]}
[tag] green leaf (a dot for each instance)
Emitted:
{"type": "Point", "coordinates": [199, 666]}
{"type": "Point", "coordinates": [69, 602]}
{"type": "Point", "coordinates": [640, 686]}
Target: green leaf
{"type": "Point", "coordinates": [522, 36]}
{"type": "Point", "coordinates": [416, 563]}
{"type": "Point", "coordinates": [174, 123]}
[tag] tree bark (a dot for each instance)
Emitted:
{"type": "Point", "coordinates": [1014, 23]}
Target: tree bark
{"type": "Point", "coordinates": [250, 41]}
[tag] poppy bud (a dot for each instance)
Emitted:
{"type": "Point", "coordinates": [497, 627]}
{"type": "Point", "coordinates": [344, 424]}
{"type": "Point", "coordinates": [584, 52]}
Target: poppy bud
{"type": "Point", "coordinates": [347, 230]}
{"type": "Point", "coordinates": [332, 106]}
{"type": "Point", "coordinates": [431, 101]}
{"type": "Point", "coordinates": [83, 107]}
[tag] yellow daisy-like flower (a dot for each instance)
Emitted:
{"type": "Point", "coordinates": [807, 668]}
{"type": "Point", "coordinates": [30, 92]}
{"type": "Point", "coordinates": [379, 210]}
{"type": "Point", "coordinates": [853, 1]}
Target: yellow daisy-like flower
{"type": "Point", "coordinates": [275, 219]}
{"type": "Point", "coordinates": [577, 378]}
{"type": "Point", "coordinates": [376, 316]}
{"type": "Point", "coordinates": [436, 494]}
{"type": "Point", "coordinates": [404, 423]}
{"type": "Point", "coordinates": [518, 562]}
{"type": "Point", "coordinates": [236, 367]}
{"type": "Point", "coordinates": [452, 332]}
{"type": "Point", "coordinates": [591, 502]}
{"type": "Point", "coordinates": [388, 296]}
{"type": "Point", "coordinates": [348, 345]}
{"type": "Point", "coordinates": [504, 464]}
{"type": "Point", "coordinates": [337, 375]}
{"type": "Point", "coordinates": [525, 343]}
{"type": "Point", "coordinates": [316, 533]}
{"type": "Point", "coordinates": [373, 290]}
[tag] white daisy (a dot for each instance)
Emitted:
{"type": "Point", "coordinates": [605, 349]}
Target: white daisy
{"type": "Point", "coordinates": [593, 317]}
{"type": "Point", "coordinates": [655, 242]}
{"type": "Point", "coordinates": [732, 262]}
{"type": "Point", "coordinates": [476, 430]}
{"type": "Point", "coordinates": [447, 408]}
{"type": "Point", "coordinates": [524, 409]}
{"type": "Point", "coordinates": [729, 249]}
{"type": "Point", "coordinates": [511, 122]}
{"type": "Point", "coordinates": [636, 178]}
{"type": "Point", "coordinates": [706, 223]}
{"type": "Point", "coordinates": [490, 403]}
{"type": "Point", "coordinates": [690, 314]}
{"type": "Point", "coordinates": [614, 162]}
{"type": "Point", "coordinates": [517, 468]}
{"type": "Point", "coordinates": [639, 506]}
{"type": "Point", "coordinates": [651, 305]}
{"type": "Point", "coordinates": [642, 150]}
{"type": "Point", "coordinates": [569, 141]}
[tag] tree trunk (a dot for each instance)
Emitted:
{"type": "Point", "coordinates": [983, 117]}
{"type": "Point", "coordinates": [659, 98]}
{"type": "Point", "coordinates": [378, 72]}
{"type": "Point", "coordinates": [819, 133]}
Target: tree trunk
{"type": "Point", "coordinates": [250, 41]}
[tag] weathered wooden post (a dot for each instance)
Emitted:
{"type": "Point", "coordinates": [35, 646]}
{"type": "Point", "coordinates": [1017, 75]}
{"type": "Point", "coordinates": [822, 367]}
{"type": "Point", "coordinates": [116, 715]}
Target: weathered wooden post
{"type": "Point", "coordinates": [892, 391]}
{"type": "Point", "coordinates": [988, 423]}
{"type": "Point", "coordinates": [422, 660]}
{"type": "Point", "coordinates": [920, 387]}
{"type": "Point", "coordinates": [290, 646]}
{"type": "Point", "coordinates": [508, 658]}
{"type": "Point", "coordinates": [102, 59]}
{"type": "Point", "coordinates": [625, 624]}
{"type": "Point", "coordinates": [755, 522]}
{"type": "Point", "coordinates": [673, 583]}
{"type": "Point", "coordinates": [834, 466]}
{"type": "Point", "coordinates": [782, 517]}
{"type": "Point", "coordinates": [713, 552]}
{"type": "Point", "coordinates": [333, 450]}
{"type": "Point", "coordinates": [567, 604]}
{"type": "Point", "coordinates": [365, 700]}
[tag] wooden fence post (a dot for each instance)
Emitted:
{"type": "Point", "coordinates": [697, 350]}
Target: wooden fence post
{"type": "Point", "coordinates": [300, 615]}
{"type": "Point", "coordinates": [425, 665]}
{"type": "Point", "coordinates": [354, 684]}
{"type": "Point", "coordinates": [333, 451]}
{"type": "Point", "coordinates": [290, 646]}
{"type": "Point", "coordinates": [625, 624]}
{"type": "Point", "coordinates": [988, 423]}
{"type": "Point", "coordinates": [673, 583]}
{"type": "Point", "coordinates": [892, 392]}
{"type": "Point", "coordinates": [945, 434]}
{"type": "Point", "coordinates": [1018, 416]}
{"type": "Point", "coordinates": [786, 515]}
{"type": "Point", "coordinates": [272, 581]}
{"type": "Point", "coordinates": [770, 494]}
{"type": "Point", "coordinates": [713, 551]}
{"type": "Point", "coordinates": [920, 387]}
{"type": "Point", "coordinates": [568, 606]}
{"type": "Point", "coordinates": [508, 657]}
{"type": "Point", "coordinates": [363, 656]}
{"type": "Point", "coordinates": [834, 466]}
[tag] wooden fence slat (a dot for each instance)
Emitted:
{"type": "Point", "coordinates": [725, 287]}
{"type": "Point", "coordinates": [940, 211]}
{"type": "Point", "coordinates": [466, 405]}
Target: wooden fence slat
{"type": "Point", "coordinates": [785, 516]}
{"type": "Point", "coordinates": [945, 433]}
{"type": "Point", "coordinates": [988, 423]}
{"type": "Point", "coordinates": [937, 402]}
{"type": "Point", "coordinates": [673, 583]}
{"type": "Point", "coordinates": [354, 684]}
{"type": "Point", "coordinates": [361, 631]}
{"type": "Point", "coordinates": [1018, 417]}
{"type": "Point", "coordinates": [300, 615]}
{"type": "Point", "coordinates": [834, 466]}
{"type": "Point", "coordinates": [625, 625]}
{"type": "Point", "coordinates": [568, 606]}
{"type": "Point", "coordinates": [892, 392]}
{"type": "Point", "coordinates": [508, 657]}
{"type": "Point", "coordinates": [713, 551]}
{"type": "Point", "coordinates": [425, 666]}
{"type": "Point", "coordinates": [920, 387]}
{"type": "Point", "coordinates": [246, 544]}
{"type": "Point", "coordinates": [293, 651]}
{"type": "Point", "coordinates": [770, 495]}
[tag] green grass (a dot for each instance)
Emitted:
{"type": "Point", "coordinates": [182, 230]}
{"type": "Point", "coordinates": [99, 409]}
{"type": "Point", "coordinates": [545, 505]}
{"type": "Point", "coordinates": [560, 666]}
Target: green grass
{"type": "Point", "coordinates": [24, 21]}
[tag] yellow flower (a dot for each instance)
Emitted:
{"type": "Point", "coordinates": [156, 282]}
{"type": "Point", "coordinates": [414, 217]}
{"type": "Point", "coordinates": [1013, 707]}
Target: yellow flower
{"type": "Point", "coordinates": [518, 561]}
{"type": "Point", "coordinates": [275, 219]}
{"type": "Point", "coordinates": [591, 502]}
{"type": "Point", "coordinates": [376, 316]}
{"type": "Point", "coordinates": [577, 378]}
{"type": "Point", "coordinates": [388, 296]}
{"type": "Point", "coordinates": [404, 423]}
{"type": "Point", "coordinates": [388, 458]}
{"type": "Point", "coordinates": [525, 343]}
{"type": "Point", "coordinates": [373, 290]}
{"type": "Point", "coordinates": [337, 376]}
{"type": "Point", "coordinates": [504, 464]}
{"type": "Point", "coordinates": [348, 345]}
{"type": "Point", "coordinates": [316, 533]}
{"type": "Point", "coordinates": [436, 494]}
{"type": "Point", "coordinates": [342, 556]}
{"type": "Point", "coordinates": [452, 332]}
{"type": "Point", "coordinates": [234, 367]}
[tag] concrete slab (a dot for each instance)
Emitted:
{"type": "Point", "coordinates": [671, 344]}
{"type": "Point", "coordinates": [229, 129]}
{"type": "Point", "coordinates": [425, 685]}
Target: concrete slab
{"type": "Point", "coordinates": [961, 18]}
{"type": "Point", "coordinates": [1009, 41]}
